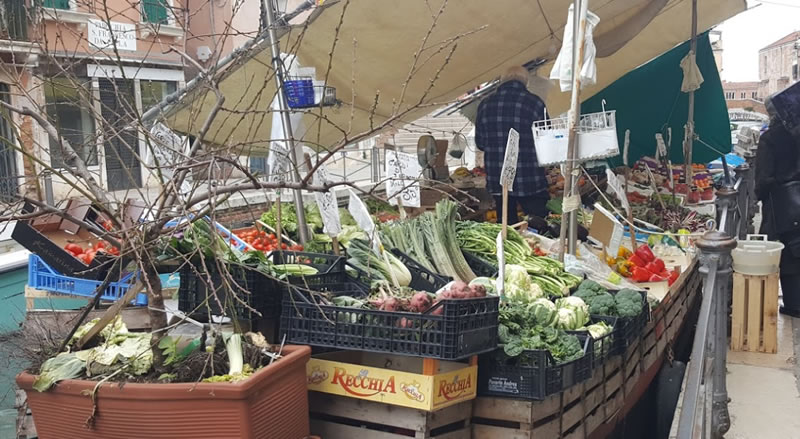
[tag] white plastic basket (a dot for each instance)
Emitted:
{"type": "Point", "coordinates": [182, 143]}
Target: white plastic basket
{"type": "Point", "coordinates": [597, 138]}
{"type": "Point", "coordinates": [757, 256]}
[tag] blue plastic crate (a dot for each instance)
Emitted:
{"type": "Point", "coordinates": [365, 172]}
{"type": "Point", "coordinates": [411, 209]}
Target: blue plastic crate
{"type": "Point", "coordinates": [299, 92]}
{"type": "Point", "coordinates": [43, 277]}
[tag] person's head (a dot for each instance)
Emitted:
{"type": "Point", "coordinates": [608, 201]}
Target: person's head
{"type": "Point", "coordinates": [515, 73]}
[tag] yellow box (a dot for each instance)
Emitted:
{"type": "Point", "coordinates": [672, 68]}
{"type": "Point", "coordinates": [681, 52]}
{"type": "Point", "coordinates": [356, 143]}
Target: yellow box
{"type": "Point", "coordinates": [392, 379]}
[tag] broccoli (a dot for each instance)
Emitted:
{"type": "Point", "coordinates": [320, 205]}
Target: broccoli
{"type": "Point", "coordinates": [591, 286]}
{"type": "Point", "coordinates": [628, 303]}
{"type": "Point", "coordinates": [602, 304]}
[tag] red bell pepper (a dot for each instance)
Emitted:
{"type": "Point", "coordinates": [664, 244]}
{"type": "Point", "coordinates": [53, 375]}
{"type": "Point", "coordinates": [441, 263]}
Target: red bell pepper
{"type": "Point", "coordinates": [660, 264]}
{"type": "Point", "coordinates": [656, 278]}
{"type": "Point", "coordinates": [645, 253]}
{"type": "Point", "coordinates": [652, 267]}
{"type": "Point", "coordinates": [673, 276]}
{"type": "Point", "coordinates": [640, 274]}
{"type": "Point", "coordinates": [636, 261]}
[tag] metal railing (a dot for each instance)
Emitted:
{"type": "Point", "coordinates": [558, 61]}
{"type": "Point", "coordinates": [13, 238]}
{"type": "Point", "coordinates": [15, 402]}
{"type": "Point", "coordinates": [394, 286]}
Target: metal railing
{"type": "Point", "coordinates": [704, 412]}
{"type": "Point", "coordinates": [14, 18]}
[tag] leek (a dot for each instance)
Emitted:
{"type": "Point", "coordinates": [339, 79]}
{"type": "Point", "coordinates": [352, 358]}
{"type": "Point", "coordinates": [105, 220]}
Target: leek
{"type": "Point", "coordinates": [235, 358]}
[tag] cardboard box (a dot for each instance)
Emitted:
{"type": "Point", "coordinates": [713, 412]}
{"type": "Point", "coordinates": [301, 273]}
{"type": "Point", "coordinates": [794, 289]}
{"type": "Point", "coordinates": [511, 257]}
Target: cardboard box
{"type": "Point", "coordinates": [392, 379]}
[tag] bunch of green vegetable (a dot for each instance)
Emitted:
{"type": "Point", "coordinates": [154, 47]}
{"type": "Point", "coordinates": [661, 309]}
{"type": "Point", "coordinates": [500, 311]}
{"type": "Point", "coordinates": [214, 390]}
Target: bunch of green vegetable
{"type": "Point", "coordinates": [626, 303]}
{"type": "Point", "coordinates": [480, 240]}
{"type": "Point", "coordinates": [520, 328]}
{"type": "Point", "coordinates": [431, 240]}
{"type": "Point", "coordinates": [366, 259]}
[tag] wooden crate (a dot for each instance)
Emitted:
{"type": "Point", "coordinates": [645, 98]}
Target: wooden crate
{"type": "Point", "coordinates": [754, 324]}
{"type": "Point", "coordinates": [339, 417]}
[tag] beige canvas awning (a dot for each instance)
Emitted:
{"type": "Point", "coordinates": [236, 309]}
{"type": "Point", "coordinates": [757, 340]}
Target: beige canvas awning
{"type": "Point", "coordinates": [473, 41]}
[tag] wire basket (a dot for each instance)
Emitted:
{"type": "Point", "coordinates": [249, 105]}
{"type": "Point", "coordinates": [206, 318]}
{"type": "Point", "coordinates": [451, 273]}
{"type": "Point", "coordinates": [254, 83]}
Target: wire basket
{"type": "Point", "coordinates": [305, 92]}
{"type": "Point", "coordinates": [597, 138]}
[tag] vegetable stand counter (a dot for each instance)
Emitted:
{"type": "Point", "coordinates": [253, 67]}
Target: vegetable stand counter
{"type": "Point", "coordinates": [592, 409]}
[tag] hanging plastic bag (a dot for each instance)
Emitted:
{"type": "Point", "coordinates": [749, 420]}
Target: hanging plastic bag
{"type": "Point", "coordinates": [562, 68]}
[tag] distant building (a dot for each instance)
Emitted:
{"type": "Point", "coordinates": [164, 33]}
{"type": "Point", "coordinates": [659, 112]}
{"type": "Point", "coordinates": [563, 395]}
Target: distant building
{"type": "Point", "coordinates": [744, 95]}
{"type": "Point", "coordinates": [777, 65]}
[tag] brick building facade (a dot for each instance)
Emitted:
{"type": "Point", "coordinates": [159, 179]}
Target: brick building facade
{"type": "Point", "coordinates": [778, 65]}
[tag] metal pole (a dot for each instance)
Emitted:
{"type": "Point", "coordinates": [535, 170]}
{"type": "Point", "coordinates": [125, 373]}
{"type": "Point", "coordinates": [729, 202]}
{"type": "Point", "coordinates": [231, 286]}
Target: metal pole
{"type": "Point", "coordinates": [715, 248]}
{"type": "Point", "coordinates": [689, 140]}
{"type": "Point", "coordinates": [277, 64]}
{"type": "Point", "coordinates": [726, 210]}
{"type": "Point", "coordinates": [579, 25]}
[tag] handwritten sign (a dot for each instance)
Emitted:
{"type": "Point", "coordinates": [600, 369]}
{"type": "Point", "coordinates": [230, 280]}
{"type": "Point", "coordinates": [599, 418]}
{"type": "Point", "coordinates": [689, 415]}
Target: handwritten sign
{"type": "Point", "coordinates": [510, 161]}
{"type": "Point", "coordinates": [278, 164]}
{"type": "Point", "coordinates": [360, 213]}
{"type": "Point", "coordinates": [327, 203]}
{"type": "Point", "coordinates": [100, 35]}
{"type": "Point", "coordinates": [166, 154]}
{"type": "Point", "coordinates": [403, 171]}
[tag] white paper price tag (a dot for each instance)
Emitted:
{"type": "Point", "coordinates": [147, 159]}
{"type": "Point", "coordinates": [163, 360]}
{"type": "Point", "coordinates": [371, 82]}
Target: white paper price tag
{"type": "Point", "coordinates": [510, 160]}
{"type": "Point", "coordinates": [360, 213]}
{"type": "Point", "coordinates": [403, 171]}
{"type": "Point", "coordinates": [327, 203]}
{"type": "Point", "coordinates": [501, 261]}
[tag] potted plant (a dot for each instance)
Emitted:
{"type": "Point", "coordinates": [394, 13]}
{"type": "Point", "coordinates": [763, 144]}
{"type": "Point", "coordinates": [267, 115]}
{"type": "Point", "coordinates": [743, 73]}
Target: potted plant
{"type": "Point", "coordinates": [234, 401]}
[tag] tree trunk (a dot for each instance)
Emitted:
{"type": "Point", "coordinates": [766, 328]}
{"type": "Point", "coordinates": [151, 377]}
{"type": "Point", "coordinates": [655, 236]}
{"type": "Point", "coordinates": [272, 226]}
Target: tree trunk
{"type": "Point", "coordinates": [158, 318]}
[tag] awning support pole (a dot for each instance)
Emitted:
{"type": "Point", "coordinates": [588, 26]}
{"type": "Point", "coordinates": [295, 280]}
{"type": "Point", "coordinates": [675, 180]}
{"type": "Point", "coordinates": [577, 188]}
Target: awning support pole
{"type": "Point", "coordinates": [568, 220]}
{"type": "Point", "coordinates": [689, 140]}
{"type": "Point", "coordinates": [283, 105]}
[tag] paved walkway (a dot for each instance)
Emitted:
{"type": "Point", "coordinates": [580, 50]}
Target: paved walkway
{"type": "Point", "coordinates": [764, 389]}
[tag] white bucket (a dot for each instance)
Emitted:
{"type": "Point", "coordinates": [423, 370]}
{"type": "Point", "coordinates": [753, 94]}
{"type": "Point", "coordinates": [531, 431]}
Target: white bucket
{"type": "Point", "coordinates": [757, 256]}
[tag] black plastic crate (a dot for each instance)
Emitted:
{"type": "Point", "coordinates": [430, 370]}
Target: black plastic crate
{"type": "Point", "coordinates": [627, 329]}
{"type": "Point", "coordinates": [422, 279]}
{"type": "Point", "coordinates": [323, 262]}
{"type": "Point", "coordinates": [480, 266]}
{"type": "Point", "coordinates": [255, 289]}
{"type": "Point", "coordinates": [451, 330]}
{"type": "Point", "coordinates": [534, 374]}
{"type": "Point", "coordinates": [605, 346]}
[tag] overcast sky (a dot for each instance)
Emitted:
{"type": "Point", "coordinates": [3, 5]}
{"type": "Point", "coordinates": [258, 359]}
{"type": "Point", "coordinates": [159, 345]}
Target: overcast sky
{"type": "Point", "coordinates": [753, 29]}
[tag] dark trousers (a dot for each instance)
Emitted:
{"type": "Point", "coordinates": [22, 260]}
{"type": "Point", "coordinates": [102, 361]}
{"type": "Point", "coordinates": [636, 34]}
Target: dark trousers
{"type": "Point", "coordinates": [534, 205]}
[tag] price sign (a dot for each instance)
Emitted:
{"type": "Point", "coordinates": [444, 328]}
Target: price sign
{"type": "Point", "coordinates": [360, 213]}
{"type": "Point", "coordinates": [501, 260]}
{"type": "Point", "coordinates": [403, 171]}
{"type": "Point", "coordinates": [510, 160]}
{"type": "Point", "coordinates": [278, 164]}
{"type": "Point", "coordinates": [327, 203]}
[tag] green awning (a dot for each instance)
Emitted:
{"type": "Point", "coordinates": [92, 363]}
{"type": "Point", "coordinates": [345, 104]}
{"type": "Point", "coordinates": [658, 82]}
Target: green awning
{"type": "Point", "coordinates": [648, 100]}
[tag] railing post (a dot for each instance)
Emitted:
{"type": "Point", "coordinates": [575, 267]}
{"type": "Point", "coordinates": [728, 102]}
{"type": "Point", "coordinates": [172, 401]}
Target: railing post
{"type": "Point", "coordinates": [746, 201]}
{"type": "Point", "coordinates": [715, 248]}
{"type": "Point", "coordinates": [726, 210]}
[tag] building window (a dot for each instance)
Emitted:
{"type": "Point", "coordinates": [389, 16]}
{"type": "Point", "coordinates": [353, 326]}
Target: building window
{"type": "Point", "coordinates": [743, 95]}
{"type": "Point", "coordinates": [155, 11]}
{"type": "Point", "coordinates": [69, 103]}
{"type": "Point", "coordinates": [154, 92]}
{"type": "Point", "coordinates": [753, 95]}
{"type": "Point", "coordinates": [794, 71]}
{"type": "Point", "coordinates": [8, 154]}
{"type": "Point", "coordinates": [58, 4]}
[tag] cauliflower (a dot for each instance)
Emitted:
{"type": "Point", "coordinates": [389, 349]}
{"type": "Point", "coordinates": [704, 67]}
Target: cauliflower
{"type": "Point", "coordinates": [577, 305]}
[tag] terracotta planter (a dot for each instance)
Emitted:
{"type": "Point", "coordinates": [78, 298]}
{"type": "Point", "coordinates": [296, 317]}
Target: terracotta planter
{"type": "Point", "coordinates": [273, 403]}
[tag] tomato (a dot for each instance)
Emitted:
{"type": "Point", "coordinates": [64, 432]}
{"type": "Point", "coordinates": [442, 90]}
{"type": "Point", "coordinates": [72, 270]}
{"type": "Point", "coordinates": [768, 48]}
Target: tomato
{"type": "Point", "coordinates": [114, 251]}
{"type": "Point", "coordinates": [100, 245]}
{"type": "Point", "coordinates": [85, 258]}
{"type": "Point", "coordinates": [272, 236]}
{"type": "Point", "coordinates": [108, 225]}
{"type": "Point", "coordinates": [283, 246]}
{"type": "Point", "coordinates": [75, 249]}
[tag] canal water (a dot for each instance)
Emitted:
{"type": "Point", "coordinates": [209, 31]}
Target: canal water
{"type": "Point", "coordinates": [12, 313]}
